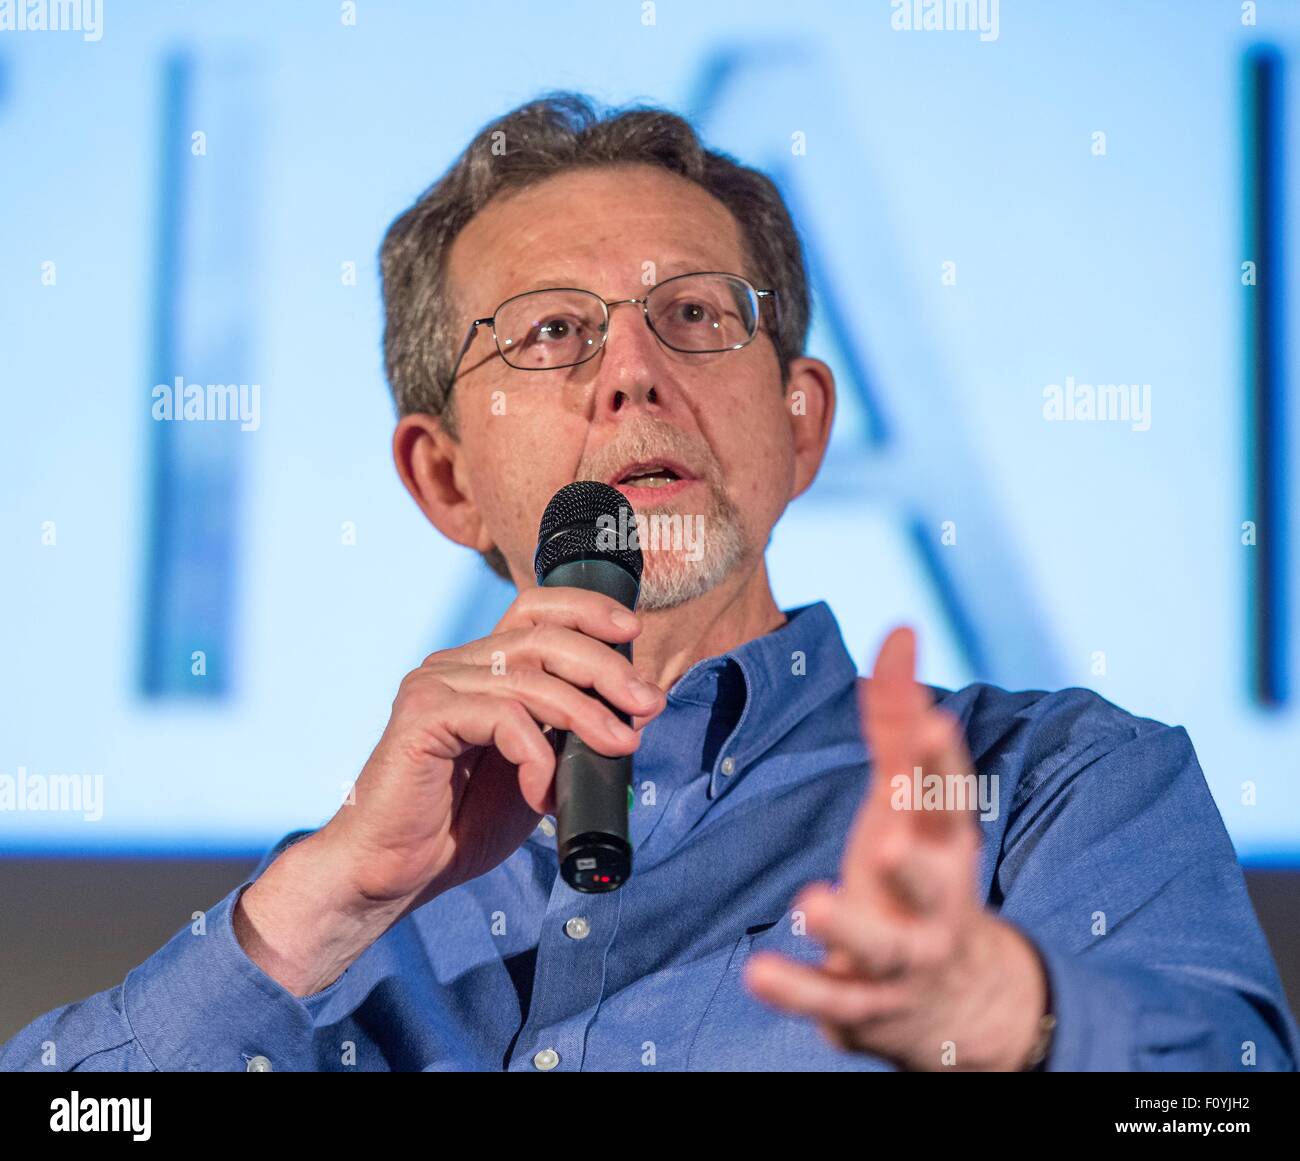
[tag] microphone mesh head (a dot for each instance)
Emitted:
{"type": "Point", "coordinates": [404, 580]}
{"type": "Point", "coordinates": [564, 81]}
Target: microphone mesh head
{"type": "Point", "coordinates": [583, 522]}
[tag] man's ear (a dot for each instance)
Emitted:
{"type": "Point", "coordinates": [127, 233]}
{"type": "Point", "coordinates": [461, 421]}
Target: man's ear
{"type": "Point", "coordinates": [810, 403]}
{"type": "Point", "coordinates": [431, 465]}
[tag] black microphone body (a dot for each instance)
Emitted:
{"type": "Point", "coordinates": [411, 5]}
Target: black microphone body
{"type": "Point", "coordinates": [588, 541]}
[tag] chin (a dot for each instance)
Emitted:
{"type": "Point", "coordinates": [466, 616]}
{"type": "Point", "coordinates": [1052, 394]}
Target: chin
{"type": "Point", "coordinates": [672, 577]}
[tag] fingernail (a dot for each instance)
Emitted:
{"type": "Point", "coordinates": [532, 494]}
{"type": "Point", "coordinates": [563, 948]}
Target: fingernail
{"type": "Point", "coordinates": [624, 733]}
{"type": "Point", "coordinates": [624, 620]}
{"type": "Point", "coordinates": [643, 691]}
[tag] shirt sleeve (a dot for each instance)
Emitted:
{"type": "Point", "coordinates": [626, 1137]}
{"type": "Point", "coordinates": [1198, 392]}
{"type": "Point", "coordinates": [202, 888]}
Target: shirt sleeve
{"type": "Point", "coordinates": [1117, 866]}
{"type": "Point", "coordinates": [197, 1004]}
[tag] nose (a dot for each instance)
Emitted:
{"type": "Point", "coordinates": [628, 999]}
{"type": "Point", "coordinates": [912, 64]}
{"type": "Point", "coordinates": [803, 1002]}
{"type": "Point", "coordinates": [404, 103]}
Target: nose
{"type": "Point", "coordinates": [633, 372]}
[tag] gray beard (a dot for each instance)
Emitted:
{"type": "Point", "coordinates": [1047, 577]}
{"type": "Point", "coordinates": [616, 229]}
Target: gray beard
{"type": "Point", "coordinates": [670, 578]}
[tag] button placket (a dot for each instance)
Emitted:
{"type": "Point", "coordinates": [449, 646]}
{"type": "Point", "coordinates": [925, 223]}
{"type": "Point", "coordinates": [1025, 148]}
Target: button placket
{"type": "Point", "coordinates": [568, 978]}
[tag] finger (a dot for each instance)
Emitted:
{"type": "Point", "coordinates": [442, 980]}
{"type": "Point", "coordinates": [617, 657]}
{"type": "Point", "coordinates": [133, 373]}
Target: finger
{"type": "Point", "coordinates": [806, 990]}
{"type": "Point", "coordinates": [909, 876]}
{"type": "Point", "coordinates": [930, 796]}
{"type": "Point", "coordinates": [920, 882]}
{"type": "Point", "coordinates": [501, 790]}
{"type": "Point", "coordinates": [548, 700]}
{"type": "Point", "coordinates": [875, 946]}
{"type": "Point", "coordinates": [942, 752]}
{"type": "Point", "coordinates": [930, 866]}
{"type": "Point", "coordinates": [482, 720]}
{"type": "Point", "coordinates": [891, 705]}
{"type": "Point", "coordinates": [900, 873]}
{"type": "Point", "coordinates": [588, 612]}
{"type": "Point", "coordinates": [584, 663]}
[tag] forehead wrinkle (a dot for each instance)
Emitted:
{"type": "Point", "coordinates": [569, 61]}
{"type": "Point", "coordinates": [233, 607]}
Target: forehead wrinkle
{"type": "Point", "coordinates": [665, 271]}
{"type": "Point", "coordinates": [491, 230]}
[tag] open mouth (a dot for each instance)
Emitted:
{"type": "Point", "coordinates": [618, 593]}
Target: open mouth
{"type": "Point", "coordinates": [649, 477]}
{"type": "Point", "coordinates": [652, 474]}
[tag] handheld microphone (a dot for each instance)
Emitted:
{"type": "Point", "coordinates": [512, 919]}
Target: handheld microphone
{"type": "Point", "coordinates": [584, 543]}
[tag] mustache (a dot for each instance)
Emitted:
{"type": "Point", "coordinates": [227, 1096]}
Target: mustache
{"type": "Point", "coordinates": [647, 439]}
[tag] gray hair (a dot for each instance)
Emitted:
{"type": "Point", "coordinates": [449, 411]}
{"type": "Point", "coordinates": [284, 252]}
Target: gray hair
{"type": "Point", "coordinates": [557, 132]}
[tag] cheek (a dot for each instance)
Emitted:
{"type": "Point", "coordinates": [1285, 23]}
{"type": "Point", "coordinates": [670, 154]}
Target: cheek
{"type": "Point", "coordinates": [515, 465]}
{"type": "Point", "coordinates": [758, 462]}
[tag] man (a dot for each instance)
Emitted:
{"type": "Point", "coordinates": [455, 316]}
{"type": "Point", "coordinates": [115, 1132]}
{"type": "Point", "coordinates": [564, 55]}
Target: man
{"type": "Point", "coordinates": [588, 298]}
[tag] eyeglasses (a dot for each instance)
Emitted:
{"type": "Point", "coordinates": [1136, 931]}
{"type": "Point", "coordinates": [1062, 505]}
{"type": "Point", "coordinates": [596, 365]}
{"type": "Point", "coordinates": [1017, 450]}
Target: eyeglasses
{"type": "Point", "coordinates": [697, 314]}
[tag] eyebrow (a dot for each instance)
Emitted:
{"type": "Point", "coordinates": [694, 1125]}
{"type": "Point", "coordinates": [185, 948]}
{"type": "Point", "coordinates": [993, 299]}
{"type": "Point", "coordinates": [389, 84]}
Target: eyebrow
{"type": "Point", "coordinates": [665, 271]}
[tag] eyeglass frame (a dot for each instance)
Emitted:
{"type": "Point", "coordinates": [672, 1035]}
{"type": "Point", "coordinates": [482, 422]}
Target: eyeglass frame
{"type": "Point", "coordinates": [760, 295]}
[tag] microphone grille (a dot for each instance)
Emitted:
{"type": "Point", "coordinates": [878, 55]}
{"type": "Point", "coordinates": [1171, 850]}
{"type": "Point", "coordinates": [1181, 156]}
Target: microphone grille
{"type": "Point", "coordinates": [582, 522]}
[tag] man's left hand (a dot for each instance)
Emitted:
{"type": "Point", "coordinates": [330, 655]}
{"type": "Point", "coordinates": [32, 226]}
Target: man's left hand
{"type": "Point", "coordinates": [917, 970]}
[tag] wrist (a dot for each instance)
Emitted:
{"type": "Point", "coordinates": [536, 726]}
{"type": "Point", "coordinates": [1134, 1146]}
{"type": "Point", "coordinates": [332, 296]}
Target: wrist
{"type": "Point", "coordinates": [1034, 1003]}
{"type": "Point", "coordinates": [1012, 1010]}
{"type": "Point", "coordinates": [301, 921]}
{"type": "Point", "coordinates": [1037, 1060]}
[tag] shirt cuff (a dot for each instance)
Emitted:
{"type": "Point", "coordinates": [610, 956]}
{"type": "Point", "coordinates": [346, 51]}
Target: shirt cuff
{"type": "Point", "coordinates": [1095, 1015]}
{"type": "Point", "coordinates": [200, 1004]}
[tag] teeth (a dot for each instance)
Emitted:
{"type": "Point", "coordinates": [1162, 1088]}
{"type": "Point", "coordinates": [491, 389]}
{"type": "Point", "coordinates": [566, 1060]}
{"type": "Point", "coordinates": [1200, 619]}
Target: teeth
{"type": "Point", "coordinates": [653, 479]}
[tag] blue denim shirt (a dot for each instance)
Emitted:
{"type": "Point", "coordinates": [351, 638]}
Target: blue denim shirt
{"type": "Point", "coordinates": [1106, 849]}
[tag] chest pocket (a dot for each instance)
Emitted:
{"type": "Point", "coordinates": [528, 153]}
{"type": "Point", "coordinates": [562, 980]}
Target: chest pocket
{"type": "Point", "coordinates": [741, 1033]}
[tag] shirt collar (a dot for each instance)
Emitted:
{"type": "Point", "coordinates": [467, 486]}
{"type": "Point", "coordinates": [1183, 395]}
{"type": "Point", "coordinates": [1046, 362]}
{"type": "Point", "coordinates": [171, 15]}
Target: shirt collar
{"type": "Point", "coordinates": [785, 675]}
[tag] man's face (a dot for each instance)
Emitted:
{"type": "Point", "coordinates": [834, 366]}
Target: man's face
{"type": "Point", "coordinates": [717, 421]}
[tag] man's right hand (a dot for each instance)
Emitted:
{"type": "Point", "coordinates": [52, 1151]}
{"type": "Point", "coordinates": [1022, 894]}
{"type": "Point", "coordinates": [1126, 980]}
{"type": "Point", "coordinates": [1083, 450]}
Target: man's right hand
{"type": "Point", "coordinates": [458, 781]}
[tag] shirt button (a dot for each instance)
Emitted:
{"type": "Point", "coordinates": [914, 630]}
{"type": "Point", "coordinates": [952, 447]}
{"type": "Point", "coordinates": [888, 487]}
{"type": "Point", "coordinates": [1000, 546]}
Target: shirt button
{"type": "Point", "coordinates": [546, 1060]}
{"type": "Point", "coordinates": [259, 1064]}
{"type": "Point", "coordinates": [577, 928]}
{"type": "Point", "coordinates": [547, 827]}
{"type": "Point", "coordinates": [728, 765]}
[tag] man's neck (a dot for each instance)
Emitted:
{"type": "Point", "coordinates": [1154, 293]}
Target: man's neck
{"type": "Point", "coordinates": [736, 611]}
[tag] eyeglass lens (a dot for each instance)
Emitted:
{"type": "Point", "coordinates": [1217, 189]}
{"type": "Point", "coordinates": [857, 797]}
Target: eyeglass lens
{"type": "Point", "coordinates": [557, 328]}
